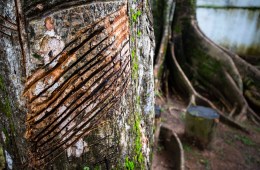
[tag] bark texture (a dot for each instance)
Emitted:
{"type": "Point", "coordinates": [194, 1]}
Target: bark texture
{"type": "Point", "coordinates": [91, 105]}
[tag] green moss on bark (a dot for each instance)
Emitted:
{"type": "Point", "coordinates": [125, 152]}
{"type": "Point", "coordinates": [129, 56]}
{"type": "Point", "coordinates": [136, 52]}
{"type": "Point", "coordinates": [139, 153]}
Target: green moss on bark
{"type": "Point", "coordinates": [5, 105]}
{"type": "Point", "coordinates": [2, 86]}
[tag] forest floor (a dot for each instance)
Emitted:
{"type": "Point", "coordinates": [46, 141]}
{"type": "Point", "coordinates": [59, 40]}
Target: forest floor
{"type": "Point", "coordinates": [231, 148]}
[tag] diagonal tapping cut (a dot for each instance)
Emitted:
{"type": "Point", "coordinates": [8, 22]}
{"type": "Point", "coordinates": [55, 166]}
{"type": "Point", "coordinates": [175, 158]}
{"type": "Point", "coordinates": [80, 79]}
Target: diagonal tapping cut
{"type": "Point", "coordinates": [104, 24]}
{"type": "Point", "coordinates": [106, 98]}
{"type": "Point", "coordinates": [100, 109]}
{"type": "Point", "coordinates": [76, 107]}
{"type": "Point", "coordinates": [58, 68]}
{"type": "Point", "coordinates": [73, 90]}
{"type": "Point", "coordinates": [82, 68]}
{"type": "Point", "coordinates": [96, 82]}
{"type": "Point", "coordinates": [73, 93]}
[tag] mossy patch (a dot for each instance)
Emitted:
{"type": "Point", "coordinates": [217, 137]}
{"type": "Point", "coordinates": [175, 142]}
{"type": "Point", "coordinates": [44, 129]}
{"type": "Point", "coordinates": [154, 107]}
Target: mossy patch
{"type": "Point", "coordinates": [135, 15]}
{"type": "Point", "coordinates": [207, 67]}
{"type": "Point", "coordinates": [129, 165]}
{"type": "Point", "coordinates": [138, 143]}
{"type": "Point", "coordinates": [2, 85]}
{"type": "Point", "coordinates": [5, 107]}
{"type": "Point", "coordinates": [138, 159]}
{"type": "Point", "coordinates": [135, 65]}
{"type": "Point", "coordinates": [2, 159]}
{"type": "Point", "coordinates": [135, 159]}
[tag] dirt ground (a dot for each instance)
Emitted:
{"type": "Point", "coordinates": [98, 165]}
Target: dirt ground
{"type": "Point", "coordinates": [231, 148]}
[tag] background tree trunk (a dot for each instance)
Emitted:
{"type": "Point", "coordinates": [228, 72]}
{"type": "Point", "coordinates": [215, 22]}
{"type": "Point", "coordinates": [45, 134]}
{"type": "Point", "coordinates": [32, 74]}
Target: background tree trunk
{"type": "Point", "coordinates": [119, 138]}
{"type": "Point", "coordinates": [201, 71]}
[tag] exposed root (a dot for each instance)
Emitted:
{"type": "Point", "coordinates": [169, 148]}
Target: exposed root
{"type": "Point", "coordinates": [235, 70]}
{"type": "Point", "coordinates": [245, 69]}
{"type": "Point", "coordinates": [220, 72]}
{"type": "Point", "coordinates": [249, 73]}
{"type": "Point", "coordinates": [197, 99]}
{"type": "Point", "coordinates": [238, 96]}
{"type": "Point", "coordinates": [221, 56]}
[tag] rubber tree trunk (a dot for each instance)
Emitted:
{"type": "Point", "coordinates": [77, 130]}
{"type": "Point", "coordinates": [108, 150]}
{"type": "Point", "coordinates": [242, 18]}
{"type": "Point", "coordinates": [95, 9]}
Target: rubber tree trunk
{"type": "Point", "coordinates": [76, 84]}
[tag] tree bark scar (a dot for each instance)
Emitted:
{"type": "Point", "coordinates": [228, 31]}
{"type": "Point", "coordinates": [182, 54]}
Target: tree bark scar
{"type": "Point", "coordinates": [72, 93]}
{"type": "Point", "coordinates": [21, 34]}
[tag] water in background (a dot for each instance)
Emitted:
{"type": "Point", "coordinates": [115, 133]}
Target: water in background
{"type": "Point", "coordinates": [237, 29]}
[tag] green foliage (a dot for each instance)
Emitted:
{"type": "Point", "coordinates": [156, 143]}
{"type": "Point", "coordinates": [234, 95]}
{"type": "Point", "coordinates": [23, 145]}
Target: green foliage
{"type": "Point", "coordinates": [86, 168]}
{"type": "Point", "coordinates": [245, 140]}
{"type": "Point", "coordinates": [186, 147]}
{"type": "Point", "coordinates": [138, 143]}
{"type": "Point", "coordinates": [129, 165]}
{"type": "Point", "coordinates": [206, 163]}
{"type": "Point", "coordinates": [135, 15]}
{"type": "Point", "coordinates": [137, 161]}
{"type": "Point", "coordinates": [135, 65]}
{"type": "Point", "coordinates": [139, 33]}
{"type": "Point", "coordinates": [163, 109]}
{"type": "Point", "coordinates": [37, 56]}
{"type": "Point", "coordinates": [133, 54]}
{"type": "Point", "coordinates": [138, 100]}
{"type": "Point", "coordinates": [97, 167]}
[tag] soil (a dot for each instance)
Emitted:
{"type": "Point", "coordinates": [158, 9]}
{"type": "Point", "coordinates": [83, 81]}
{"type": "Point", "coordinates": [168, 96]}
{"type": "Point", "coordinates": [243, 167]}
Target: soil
{"type": "Point", "coordinates": [231, 149]}
{"type": "Point", "coordinates": [162, 159]}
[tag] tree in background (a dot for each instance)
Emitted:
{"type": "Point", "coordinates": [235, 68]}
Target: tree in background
{"type": "Point", "coordinates": [198, 69]}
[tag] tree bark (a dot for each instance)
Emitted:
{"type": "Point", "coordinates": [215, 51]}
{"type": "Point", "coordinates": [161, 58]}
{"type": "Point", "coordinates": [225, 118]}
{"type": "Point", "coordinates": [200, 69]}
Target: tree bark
{"type": "Point", "coordinates": [89, 104]}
